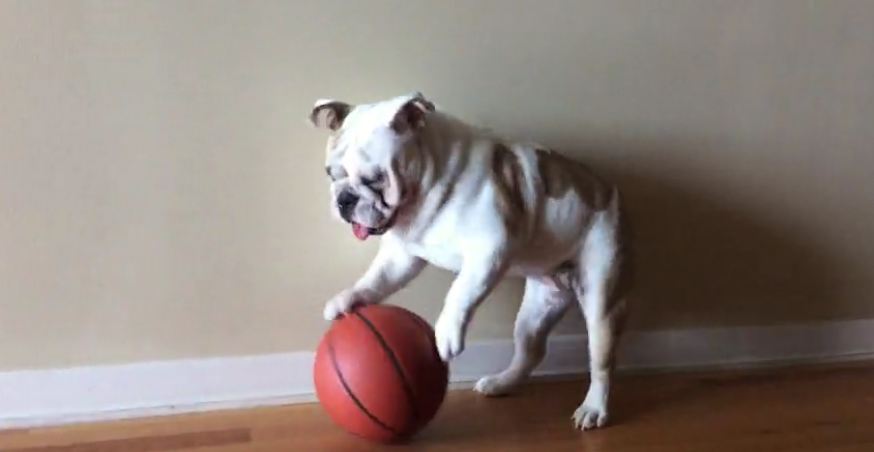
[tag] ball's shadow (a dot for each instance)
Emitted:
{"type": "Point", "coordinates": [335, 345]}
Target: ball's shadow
{"type": "Point", "coordinates": [708, 255]}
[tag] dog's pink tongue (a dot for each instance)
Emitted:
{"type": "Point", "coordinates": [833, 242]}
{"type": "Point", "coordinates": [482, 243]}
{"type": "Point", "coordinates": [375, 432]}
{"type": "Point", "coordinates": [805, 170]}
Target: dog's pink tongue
{"type": "Point", "coordinates": [360, 231]}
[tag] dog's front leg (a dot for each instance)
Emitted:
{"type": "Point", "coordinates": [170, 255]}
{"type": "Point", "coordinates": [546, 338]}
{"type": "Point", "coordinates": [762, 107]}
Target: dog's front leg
{"type": "Point", "coordinates": [391, 269]}
{"type": "Point", "coordinates": [478, 276]}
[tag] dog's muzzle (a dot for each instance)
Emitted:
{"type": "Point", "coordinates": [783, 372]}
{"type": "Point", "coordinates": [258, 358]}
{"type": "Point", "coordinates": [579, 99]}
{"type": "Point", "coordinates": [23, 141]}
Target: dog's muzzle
{"type": "Point", "coordinates": [346, 203]}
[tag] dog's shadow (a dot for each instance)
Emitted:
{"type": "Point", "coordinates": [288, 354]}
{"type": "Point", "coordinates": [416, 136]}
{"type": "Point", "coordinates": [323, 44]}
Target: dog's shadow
{"type": "Point", "coordinates": [712, 247]}
{"type": "Point", "coordinates": [710, 251]}
{"type": "Point", "coordinates": [713, 254]}
{"type": "Point", "coordinates": [704, 259]}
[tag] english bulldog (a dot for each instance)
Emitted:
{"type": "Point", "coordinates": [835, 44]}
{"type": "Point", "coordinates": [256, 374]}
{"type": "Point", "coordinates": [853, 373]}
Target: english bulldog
{"type": "Point", "coordinates": [438, 191]}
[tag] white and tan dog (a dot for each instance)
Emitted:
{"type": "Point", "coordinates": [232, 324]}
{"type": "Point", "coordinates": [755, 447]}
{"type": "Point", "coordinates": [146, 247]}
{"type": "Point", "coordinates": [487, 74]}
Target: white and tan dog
{"type": "Point", "coordinates": [439, 191]}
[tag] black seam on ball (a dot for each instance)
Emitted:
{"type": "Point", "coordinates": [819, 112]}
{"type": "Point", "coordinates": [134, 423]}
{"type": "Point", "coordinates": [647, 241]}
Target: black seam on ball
{"type": "Point", "coordinates": [429, 332]}
{"type": "Point", "coordinates": [351, 394]}
{"type": "Point", "coordinates": [408, 389]}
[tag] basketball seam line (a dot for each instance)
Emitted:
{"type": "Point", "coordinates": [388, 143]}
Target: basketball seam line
{"type": "Point", "coordinates": [430, 333]}
{"type": "Point", "coordinates": [351, 394]}
{"type": "Point", "coordinates": [396, 363]}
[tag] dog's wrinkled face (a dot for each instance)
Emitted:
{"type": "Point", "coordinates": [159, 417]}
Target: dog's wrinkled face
{"type": "Point", "coordinates": [368, 149]}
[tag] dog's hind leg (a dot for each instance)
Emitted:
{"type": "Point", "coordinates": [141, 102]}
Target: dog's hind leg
{"type": "Point", "coordinates": [601, 299]}
{"type": "Point", "coordinates": [542, 307]}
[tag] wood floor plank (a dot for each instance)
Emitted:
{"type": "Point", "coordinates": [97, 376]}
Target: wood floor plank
{"type": "Point", "coordinates": [188, 440]}
{"type": "Point", "coordinates": [796, 409]}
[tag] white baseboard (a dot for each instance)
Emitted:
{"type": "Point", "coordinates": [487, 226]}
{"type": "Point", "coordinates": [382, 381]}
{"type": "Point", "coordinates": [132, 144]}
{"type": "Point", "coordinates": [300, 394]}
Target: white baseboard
{"type": "Point", "coordinates": [56, 396]}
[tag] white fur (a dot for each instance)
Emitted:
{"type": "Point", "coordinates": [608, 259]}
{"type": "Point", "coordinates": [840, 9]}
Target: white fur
{"type": "Point", "coordinates": [453, 220]}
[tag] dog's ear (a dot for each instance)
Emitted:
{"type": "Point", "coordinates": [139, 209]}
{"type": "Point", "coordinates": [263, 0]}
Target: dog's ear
{"type": "Point", "coordinates": [329, 114]}
{"type": "Point", "coordinates": [411, 113]}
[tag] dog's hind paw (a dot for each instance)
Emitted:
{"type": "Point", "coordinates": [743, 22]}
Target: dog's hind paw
{"type": "Point", "coordinates": [494, 385]}
{"type": "Point", "coordinates": [588, 417]}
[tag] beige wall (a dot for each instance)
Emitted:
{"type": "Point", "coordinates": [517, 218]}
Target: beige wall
{"type": "Point", "coordinates": [161, 195]}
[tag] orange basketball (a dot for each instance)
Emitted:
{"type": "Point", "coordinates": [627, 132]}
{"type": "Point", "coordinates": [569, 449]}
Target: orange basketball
{"type": "Point", "coordinates": [378, 374]}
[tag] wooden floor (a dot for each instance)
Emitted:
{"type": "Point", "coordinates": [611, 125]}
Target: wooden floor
{"type": "Point", "coordinates": [799, 409]}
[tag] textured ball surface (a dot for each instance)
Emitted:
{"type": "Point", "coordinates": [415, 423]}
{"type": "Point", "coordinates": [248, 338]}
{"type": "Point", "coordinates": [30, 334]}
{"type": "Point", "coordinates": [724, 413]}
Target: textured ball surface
{"type": "Point", "coordinates": [377, 373]}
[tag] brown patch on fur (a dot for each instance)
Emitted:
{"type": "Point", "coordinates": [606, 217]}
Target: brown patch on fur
{"type": "Point", "coordinates": [509, 181]}
{"type": "Point", "coordinates": [549, 178]}
{"type": "Point", "coordinates": [560, 174]}
{"type": "Point", "coordinates": [625, 249]}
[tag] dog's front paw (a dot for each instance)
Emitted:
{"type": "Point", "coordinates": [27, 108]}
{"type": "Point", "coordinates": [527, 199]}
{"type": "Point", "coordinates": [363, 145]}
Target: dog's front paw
{"type": "Point", "coordinates": [342, 303]}
{"type": "Point", "coordinates": [449, 334]}
{"type": "Point", "coordinates": [587, 417]}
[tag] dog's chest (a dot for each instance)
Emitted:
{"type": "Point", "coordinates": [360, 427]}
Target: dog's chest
{"type": "Point", "coordinates": [443, 255]}
{"type": "Point", "coordinates": [440, 242]}
{"type": "Point", "coordinates": [449, 258]}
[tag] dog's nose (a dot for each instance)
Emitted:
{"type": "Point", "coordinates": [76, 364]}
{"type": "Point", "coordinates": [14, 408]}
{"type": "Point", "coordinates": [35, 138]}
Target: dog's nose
{"type": "Point", "coordinates": [346, 202]}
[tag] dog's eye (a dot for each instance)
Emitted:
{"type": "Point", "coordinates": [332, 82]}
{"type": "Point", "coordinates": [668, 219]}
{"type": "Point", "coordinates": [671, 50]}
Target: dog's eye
{"type": "Point", "coordinates": [373, 181]}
